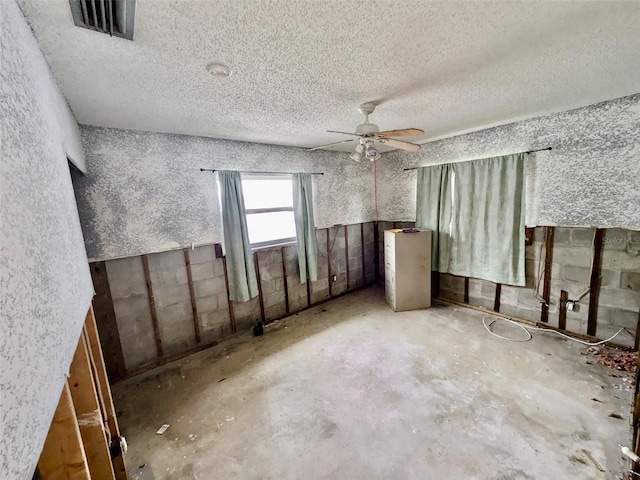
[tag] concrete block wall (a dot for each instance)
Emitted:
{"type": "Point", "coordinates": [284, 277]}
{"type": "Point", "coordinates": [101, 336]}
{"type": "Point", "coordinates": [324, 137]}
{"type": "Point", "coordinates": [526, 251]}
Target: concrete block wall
{"type": "Point", "coordinates": [618, 299]}
{"type": "Point", "coordinates": [170, 288]}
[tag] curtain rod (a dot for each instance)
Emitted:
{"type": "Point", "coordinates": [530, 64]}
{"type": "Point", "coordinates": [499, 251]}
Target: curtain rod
{"type": "Point", "coordinates": [529, 151]}
{"type": "Point", "coordinates": [213, 170]}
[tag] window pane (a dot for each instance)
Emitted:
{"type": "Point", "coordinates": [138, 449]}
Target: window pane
{"type": "Point", "coordinates": [267, 192]}
{"type": "Point", "coordinates": [267, 227]}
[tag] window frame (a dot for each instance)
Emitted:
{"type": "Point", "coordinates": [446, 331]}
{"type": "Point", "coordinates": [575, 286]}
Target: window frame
{"type": "Point", "coordinates": [253, 211]}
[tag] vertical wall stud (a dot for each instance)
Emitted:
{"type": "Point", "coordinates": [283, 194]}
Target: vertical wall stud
{"type": "Point", "coordinates": [376, 250]}
{"type": "Point", "coordinates": [562, 316]}
{"type": "Point", "coordinates": [496, 302]}
{"type": "Point", "coordinates": [594, 285]}
{"type": "Point", "coordinates": [329, 262]}
{"type": "Point", "coordinates": [103, 385]}
{"type": "Point", "coordinates": [466, 289]}
{"type": "Point", "coordinates": [63, 454]}
{"type": "Point", "coordinates": [192, 294]}
{"type": "Point", "coordinates": [346, 252]}
{"type": "Point", "coordinates": [286, 280]}
{"type": "Point", "coordinates": [364, 276]}
{"type": "Point", "coordinates": [548, 262]}
{"type": "Point", "coordinates": [256, 261]}
{"type": "Point", "coordinates": [152, 307]}
{"type": "Point", "coordinates": [106, 322]}
{"type": "Point", "coordinates": [232, 318]}
{"type": "Point", "coordinates": [87, 407]}
{"type": "Point", "coordinates": [637, 342]}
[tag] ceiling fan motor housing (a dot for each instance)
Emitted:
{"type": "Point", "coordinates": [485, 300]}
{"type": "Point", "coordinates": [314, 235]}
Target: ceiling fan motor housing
{"type": "Point", "coordinates": [367, 129]}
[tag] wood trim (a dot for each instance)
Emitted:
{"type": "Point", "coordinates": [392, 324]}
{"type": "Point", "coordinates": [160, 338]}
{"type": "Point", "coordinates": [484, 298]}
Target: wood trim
{"type": "Point", "coordinates": [364, 275]}
{"type": "Point", "coordinates": [466, 289]}
{"type": "Point", "coordinates": [87, 408]}
{"type": "Point", "coordinates": [256, 262]}
{"type": "Point", "coordinates": [63, 455]}
{"type": "Point", "coordinates": [103, 386]}
{"type": "Point", "coordinates": [152, 307]}
{"type": "Point", "coordinates": [594, 285]}
{"type": "Point", "coordinates": [562, 316]}
{"type": "Point", "coordinates": [107, 324]}
{"type": "Point", "coordinates": [192, 294]}
{"type": "Point", "coordinates": [232, 318]}
{"type": "Point", "coordinates": [496, 302]}
{"type": "Point", "coordinates": [548, 261]}
{"type": "Point", "coordinates": [286, 280]}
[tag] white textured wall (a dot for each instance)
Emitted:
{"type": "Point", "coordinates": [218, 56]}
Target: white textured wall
{"type": "Point", "coordinates": [144, 191]}
{"type": "Point", "coordinates": [44, 277]}
{"type": "Point", "coordinates": [590, 178]}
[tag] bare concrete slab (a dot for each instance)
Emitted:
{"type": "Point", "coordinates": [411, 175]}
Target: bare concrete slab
{"type": "Point", "coordinates": [352, 390]}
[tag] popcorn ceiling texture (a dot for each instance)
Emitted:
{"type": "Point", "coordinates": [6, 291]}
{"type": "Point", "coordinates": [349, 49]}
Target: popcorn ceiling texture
{"type": "Point", "coordinates": [144, 191]}
{"type": "Point", "coordinates": [590, 178]}
{"type": "Point", "coordinates": [302, 67]}
{"type": "Point", "coordinates": [44, 277]}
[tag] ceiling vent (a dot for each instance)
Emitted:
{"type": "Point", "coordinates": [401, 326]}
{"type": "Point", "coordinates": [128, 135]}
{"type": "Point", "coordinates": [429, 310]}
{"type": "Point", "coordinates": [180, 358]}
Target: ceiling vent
{"type": "Point", "coordinates": [114, 17]}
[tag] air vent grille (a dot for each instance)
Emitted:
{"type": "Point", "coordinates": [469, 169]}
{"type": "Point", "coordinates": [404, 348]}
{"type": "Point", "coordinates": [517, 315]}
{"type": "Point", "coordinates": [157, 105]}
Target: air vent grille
{"type": "Point", "coordinates": [114, 17]}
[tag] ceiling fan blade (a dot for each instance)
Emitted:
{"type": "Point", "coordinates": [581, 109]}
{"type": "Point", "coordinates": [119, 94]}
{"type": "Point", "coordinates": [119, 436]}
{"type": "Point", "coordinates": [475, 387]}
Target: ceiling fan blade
{"type": "Point", "coordinates": [411, 147]}
{"type": "Point", "coordinates": [329, 145]}
{"type": "Point", "coordinates": [402, 133]}
{"type": "Point", "coordinates": [344, 133]}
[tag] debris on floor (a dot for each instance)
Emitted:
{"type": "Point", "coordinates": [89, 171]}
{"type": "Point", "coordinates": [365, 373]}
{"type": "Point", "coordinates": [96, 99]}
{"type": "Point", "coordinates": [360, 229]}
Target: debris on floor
{"type": "Point", "coordinates": [619, 360]}
{"type": "Point", "coordinates": [162, 429]}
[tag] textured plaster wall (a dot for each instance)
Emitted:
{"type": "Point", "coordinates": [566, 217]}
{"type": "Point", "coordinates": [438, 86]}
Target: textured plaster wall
{"type": "Point", "coordinates": [590, 178]}
{"type": "Point", "coordinates": [144, 191]}
{"type": "Point", "coordinates": [45, 283]}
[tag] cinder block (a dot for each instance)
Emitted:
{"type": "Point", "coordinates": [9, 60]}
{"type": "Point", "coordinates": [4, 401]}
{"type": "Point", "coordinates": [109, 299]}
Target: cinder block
{"type": "Point", "coordinates": [617, 239]}
{"type": "Point", "coordinates": [481, 302]}
{"type": "Point", "coordinates": [576, 274]}
{"type": "Point", "coordinates": [561, 235]}
{"type": "Point", "coordinates": [213, 320]}
{"type": "Point", "coordinates": [509, 295]}
{"type": "Point", "coordinates": [171, 294]}
{"type": "Point", "coordinates": [572, 255]}
{"type": "Point", "coordinates": [208, 303]}
{"type": "Point", "coordinates": [138, 346]}
{"type": "Point", "coordinates": [488, 290]}
{"type": "Point", "coordinates": [269, 300]}
{"type": "Point", "coordinates": [582, 236]}
{"type": "Point", "coordinates": [527, 299]}
{"type": "Point", "coordinates": [451, 295]}
{"type": "Point", "coordinates": [211, 286]}
{"type": "Point", "coordinates": [275, 311]}
{"type": "Point", "coordinates": [126, 277]}
{"type": "Point", "coordinates": [621, 260]}
{"type": "Point", "coordinates": [218, 267]}
{"type": "Point", "coordinates": [623, 338]}
{"type": "Point", "coordinates": [202, 271]}
{"type": "Point", "coordinates": [203, 254]}
{"type": "Point", "coordinates": [630, 281]}
{"type": "Point", "coordinates": [171, 260]}
{"type": "Point", "coordinates": [174, 313]}
{"type": "Point", "coordinates": [623, 299]}
{"type": "Point", "coordinates": [250, 309]}
{"type": "Point", "coordinates": [353, 232]}
{"type": "Point", "coordinates": [133, 305]}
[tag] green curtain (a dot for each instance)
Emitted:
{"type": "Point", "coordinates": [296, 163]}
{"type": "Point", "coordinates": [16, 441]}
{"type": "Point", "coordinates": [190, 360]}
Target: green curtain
{"type": "Point", "coordinates": [478, 212]}
{"type": "Point", "coordinates": [305, 227]}
{"type": "Point", "coordinates": [243, 285]}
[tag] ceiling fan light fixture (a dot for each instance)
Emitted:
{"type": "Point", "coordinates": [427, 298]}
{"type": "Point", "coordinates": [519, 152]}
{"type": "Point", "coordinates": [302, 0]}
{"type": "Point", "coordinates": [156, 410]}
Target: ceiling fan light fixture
{"type": "Point", "coordinates": [219, 70]}
{"type": "Point", "coordinates": [357, 156]}
{"type": "Point", "coordinates": [371, 153]}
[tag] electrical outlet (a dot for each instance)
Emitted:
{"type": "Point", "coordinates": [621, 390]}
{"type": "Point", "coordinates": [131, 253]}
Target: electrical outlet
{"type": "Point", "coordinates": [334, 278]}
{"type": "Point", "coordinates": [572, 306]}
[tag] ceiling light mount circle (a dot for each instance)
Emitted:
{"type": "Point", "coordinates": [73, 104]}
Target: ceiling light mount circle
{"type": "Point", "coordinates": [218, 70]}
{"type": "Point", "coordinates": [367, 108]}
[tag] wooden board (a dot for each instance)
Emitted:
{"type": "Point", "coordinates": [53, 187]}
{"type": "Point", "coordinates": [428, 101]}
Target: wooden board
{"type": "Point", "coordinates": [192, 294]}
{"type": "Point", "coordinates": [106, 322]}
{"type": "Point", "coordinates": [548, 259]}
{"type": "Point", "coordinates": [102, 381]}
{"type": "Point", "coordinates": [562, 317]}
{"type": "Point", "coordinates": [594, 285]}
{"type": "Point", "coordinates": [152, 307]}
{"type": "Point", "coordinates": [88, 413]}
{"type": "Point", "coordinates": [63, 455]}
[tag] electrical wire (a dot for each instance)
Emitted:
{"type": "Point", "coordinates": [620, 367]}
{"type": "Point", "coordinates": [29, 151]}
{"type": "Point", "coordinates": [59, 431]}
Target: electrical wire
{"type": "Point", "coordinates": [529, 336]}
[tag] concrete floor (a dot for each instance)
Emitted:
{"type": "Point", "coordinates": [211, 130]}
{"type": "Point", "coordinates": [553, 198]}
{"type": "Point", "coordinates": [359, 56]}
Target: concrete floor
{"type": "Point", "coordinates": [352, 390]}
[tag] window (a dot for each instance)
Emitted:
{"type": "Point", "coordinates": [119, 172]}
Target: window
{"type": "Point", "coordinates": [268, 201]}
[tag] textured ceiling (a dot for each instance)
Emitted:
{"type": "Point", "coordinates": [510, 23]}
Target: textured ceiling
{"type": "Point", "coordinates": [301, 67]}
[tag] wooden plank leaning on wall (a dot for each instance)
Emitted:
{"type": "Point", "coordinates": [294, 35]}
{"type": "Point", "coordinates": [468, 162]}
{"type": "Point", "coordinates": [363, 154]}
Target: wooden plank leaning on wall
{"type": "Point", "coordinates": [84, 438]}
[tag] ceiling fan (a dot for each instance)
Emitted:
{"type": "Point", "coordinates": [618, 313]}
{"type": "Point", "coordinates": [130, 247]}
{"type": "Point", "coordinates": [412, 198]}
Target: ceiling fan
{"type": "Point", "coordinates": [370, 134]}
